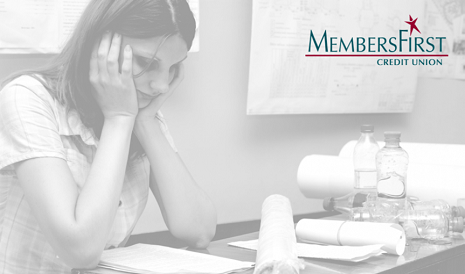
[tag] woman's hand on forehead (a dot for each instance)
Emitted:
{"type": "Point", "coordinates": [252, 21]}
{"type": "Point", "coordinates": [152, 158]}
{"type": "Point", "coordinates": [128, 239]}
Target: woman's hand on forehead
{"type": "Point", "coordinates": [114, 91]}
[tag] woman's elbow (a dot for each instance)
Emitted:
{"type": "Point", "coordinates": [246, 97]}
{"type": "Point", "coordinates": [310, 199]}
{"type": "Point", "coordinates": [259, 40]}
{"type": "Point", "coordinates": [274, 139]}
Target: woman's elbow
{"type": "Point", "coordinates": [84, 262]}
{"type": "Point", "coordinates": [82, 256]}
{"type": "Point", "coordinates": [204, 238]}
{"type": "Point", "coordinates": [206, 234]}
{"type": "Point", "coordinates": [199, 240]}
{"type": "Point", "coordinates": [197, 237]}
{"type": "Point", "coordinates": [201, 243]}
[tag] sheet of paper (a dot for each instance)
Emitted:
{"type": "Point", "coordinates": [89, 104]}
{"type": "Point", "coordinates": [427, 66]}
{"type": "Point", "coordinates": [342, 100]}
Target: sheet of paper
{"type": "Point", "coordinates": [282, 80]}
{"type": "Point", "coordinates": [446, 18]}
{"type": "Point", "coordinates": [163, 259]}
{"type": "Point", "coordinates": [37, 26]}
{"type": "Point", "coordinates": [44, 26]}
{"type": "Point", "coordinates": [69, 12]}
{"type": "Point", "coordinates": [343, 253]}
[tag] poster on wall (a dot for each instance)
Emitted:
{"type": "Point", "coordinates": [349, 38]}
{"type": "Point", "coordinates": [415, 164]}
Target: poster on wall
{"type": "Point", "coordinates": [335, 56]}
{"type": "Point", "coordinates": [447, 18]}
{"type": "Point", "coordinates": [43, 26]}
{"type": "Point", "coordinates": [39, 26]}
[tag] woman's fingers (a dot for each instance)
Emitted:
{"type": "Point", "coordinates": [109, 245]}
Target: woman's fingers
{"type": "Point", "coordinates": [126, 67]}
{"type": "Point", "coordinates": [108, 53]}
{"type": "Point", "coordinates": [114, 92]}
{"type": "Point", "coordinates": [102, 53]}
{"type": "Point", "coordinates": [113, 55]}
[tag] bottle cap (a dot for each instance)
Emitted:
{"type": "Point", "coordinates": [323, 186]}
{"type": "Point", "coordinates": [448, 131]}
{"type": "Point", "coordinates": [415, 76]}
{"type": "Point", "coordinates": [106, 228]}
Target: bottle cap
{"type": "Point", "coordinates": [361, 216]}
{"type": "Point", "coordinates": [456, 224]}
{"type": "Point", "coordinates": [459, 211]}
{"type": "Point", "coordinates": [328, 204]}
{"type": "Point", "coordinates": [367, 128]}
{"type": "Point", "coordinates": [391, 135]}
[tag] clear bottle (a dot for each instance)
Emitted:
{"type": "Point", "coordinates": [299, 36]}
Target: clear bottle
{"type": "Point", "coordinates": [443, 206]}
{"type": "Point", "coordinates": [353, 199]}
{"type": "Point", "coordinates": [377, 214]}
{"type": "Point", "coordinates": [429, 224]}
{"type": "Point", "coordinates": [364, 158]}
{"type": "Point", "coordinates": [366, 200]}
{"type": "Point", "coordinates": [391, 166]}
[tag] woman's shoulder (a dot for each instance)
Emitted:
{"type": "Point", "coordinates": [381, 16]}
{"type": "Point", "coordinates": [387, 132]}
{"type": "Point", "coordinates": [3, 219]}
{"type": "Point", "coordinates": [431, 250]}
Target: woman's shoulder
{"type": "Point", "coordinates": [27, 90]}
{"type": "Point", "coordinates": [34, 83]}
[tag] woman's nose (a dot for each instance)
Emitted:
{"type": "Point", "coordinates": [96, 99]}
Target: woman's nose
{"type": "Point", "coordinates": [160, 84]}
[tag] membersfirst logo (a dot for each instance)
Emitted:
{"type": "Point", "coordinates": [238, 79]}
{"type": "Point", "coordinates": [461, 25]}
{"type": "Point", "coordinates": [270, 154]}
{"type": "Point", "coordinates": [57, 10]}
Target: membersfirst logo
{"type": "Point", "coordinates": [396, 46]}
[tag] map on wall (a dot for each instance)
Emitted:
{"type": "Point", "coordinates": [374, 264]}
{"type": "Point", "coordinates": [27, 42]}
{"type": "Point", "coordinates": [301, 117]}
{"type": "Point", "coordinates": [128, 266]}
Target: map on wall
{"type": "Point", "coordinates": [282, 80]}
{"type": "Point", "coordinates": [43, 26]}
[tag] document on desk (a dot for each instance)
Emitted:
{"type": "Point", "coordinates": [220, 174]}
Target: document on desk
{"type": "Point", "coordinates": [342, 253]}
{"type": "Point", "coordinates": [144, 258]}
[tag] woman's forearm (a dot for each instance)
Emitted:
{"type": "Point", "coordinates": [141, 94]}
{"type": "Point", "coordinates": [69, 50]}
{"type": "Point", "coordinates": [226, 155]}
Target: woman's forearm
{"type": "Point", "coordinates": [188, 212]}
{"type": "Point", "coordinates": [77, 222]}
{"type": "Point", "coordinates": [98, 200]}
{"type": "Point", "coordinates": [99, 197]}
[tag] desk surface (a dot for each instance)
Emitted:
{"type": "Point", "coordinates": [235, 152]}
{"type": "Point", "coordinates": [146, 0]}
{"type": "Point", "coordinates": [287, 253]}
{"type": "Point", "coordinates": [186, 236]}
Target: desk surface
{"type": "Point", "coordinates": [420, 257]}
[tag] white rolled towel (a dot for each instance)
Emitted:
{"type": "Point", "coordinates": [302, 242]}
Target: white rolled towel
{"type": "Point", "coordinates": [277, 251]}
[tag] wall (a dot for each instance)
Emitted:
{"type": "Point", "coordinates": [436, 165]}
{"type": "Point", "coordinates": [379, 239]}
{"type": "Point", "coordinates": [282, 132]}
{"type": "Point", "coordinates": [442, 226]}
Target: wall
{"type": "Point", "coordinates": [238, 159]}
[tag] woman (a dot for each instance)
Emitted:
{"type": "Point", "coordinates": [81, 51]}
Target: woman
{"type": "Point", "coordinates": [82, 141]}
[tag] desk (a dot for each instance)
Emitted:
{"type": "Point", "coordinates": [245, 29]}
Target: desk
{"type": "Point", "coordinates": [419, 258]}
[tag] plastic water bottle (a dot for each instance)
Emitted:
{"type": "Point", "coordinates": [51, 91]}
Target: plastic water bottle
{"type": "Point", "coordinates": [383, 213]}
{"type": "Point", "coordinates": [391, 166]}
{"type": "Point", "coordinates": [369, 201]}
{"type": "Point", "coordinates": [443, 206]}
{"type": "Point", "coordinates": [353, 199]}
{"type": "Point", "coordinates": [365, 160]}
{"type": "Point", "coordinates": [429, 224]}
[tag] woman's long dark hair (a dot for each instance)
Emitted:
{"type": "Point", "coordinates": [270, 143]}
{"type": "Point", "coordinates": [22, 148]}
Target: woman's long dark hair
{"type": "Point", "coordinates": [66, 76]}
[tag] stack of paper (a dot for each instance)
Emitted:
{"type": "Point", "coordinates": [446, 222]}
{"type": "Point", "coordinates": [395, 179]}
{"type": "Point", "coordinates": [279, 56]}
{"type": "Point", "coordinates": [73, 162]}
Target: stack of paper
{"type": "Point", "coordinates": [343, 253]}
{"type": "Point", "coordinates": [144, 259]}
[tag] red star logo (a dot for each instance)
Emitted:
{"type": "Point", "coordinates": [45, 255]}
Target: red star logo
{"type": "Point", "coordinates": [412, 25]}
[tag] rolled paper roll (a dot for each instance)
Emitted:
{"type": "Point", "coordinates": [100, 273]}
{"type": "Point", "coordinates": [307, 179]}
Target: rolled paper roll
{"type": "Point", "coordinates": [321, 176]}
{"type": "Point", "coordinates": [277, 251]}
{"type": "Point", "coordinates": [347, 233]}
